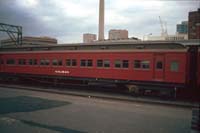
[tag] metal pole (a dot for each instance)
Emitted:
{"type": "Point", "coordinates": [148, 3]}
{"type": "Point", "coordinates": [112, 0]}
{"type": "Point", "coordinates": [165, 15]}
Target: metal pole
{"type": "Point", "coordinates": [175, 89]}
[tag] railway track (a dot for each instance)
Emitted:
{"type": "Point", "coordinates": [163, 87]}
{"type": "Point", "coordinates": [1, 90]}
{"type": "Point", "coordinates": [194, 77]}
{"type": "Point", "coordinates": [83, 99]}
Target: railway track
{"type": "Point", "coordinates": [106, 94]}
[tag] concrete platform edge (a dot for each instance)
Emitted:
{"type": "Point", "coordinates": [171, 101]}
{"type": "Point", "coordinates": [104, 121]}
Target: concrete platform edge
{"type": "Point", "coordinates": [141, 100]}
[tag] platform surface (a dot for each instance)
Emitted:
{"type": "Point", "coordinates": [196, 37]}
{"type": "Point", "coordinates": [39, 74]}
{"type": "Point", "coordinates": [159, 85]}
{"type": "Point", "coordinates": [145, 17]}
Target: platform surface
{"type": "Point", "coordinates": [30, 111]}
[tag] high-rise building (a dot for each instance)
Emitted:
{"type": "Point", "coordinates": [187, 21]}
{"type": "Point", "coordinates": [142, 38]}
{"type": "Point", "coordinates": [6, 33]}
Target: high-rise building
{"type": "Point", "coordinates": [182, 28]}
{"type": "Point", "coordinates": [88, 38]}
{"type": "Point", "coordinates": [118, 34]}
{"type": "Point", "coordinates": [194, 25]}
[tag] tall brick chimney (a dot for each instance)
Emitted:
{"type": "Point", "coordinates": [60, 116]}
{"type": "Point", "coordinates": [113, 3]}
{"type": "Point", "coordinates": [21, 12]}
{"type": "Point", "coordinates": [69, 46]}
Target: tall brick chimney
{"type": "Point", "coordinates": [101, 20]}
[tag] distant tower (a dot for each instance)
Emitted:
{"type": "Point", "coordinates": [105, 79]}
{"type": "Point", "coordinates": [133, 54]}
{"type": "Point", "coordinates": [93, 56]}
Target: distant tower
{"type": "Point", "coordinates": [101, 20]}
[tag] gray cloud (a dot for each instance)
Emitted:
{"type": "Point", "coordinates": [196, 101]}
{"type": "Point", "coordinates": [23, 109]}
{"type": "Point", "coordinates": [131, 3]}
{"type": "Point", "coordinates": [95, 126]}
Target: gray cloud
{"type": "Point", "coordinates": [67, 20]}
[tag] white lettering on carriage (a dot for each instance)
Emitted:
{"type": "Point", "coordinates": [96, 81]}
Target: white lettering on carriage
{"type": "Point", "coordinates": [62, 72]}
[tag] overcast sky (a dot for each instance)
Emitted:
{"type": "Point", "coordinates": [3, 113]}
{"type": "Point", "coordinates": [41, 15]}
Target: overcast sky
{"type": "Point", "coordinates": [67, 20]}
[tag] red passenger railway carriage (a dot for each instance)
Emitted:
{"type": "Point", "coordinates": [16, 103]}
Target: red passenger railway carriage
{"type": "Point", "coordinates": [160, 67]}
{"type": "Point", "coordinates": [167, 66]}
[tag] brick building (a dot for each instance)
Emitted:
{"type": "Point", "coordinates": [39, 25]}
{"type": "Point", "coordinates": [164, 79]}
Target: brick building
{"type": "Point", "coordinates": [194, 25]}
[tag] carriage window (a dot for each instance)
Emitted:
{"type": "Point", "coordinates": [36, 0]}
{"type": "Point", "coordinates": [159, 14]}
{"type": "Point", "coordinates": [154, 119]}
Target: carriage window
{"type": "Point", "coordinates": [125, 64]}
{"type": "Point", "coordinates": [10, 62]}
{"type": "Point", "coordinates": [56, 62]}
{"type": "Point", "coordinates": [159, 65]}
{"type": "Point", "coordinates": [30, 61]}
{"type": "Point", "coordinates": [118, 63]}
{"type": "Point", "coordinates": [68, 62]}
{"type": "Point", "coordinates": [89, 63]}
{"type": "Point", "coordinates": [33, 62]}
{"type": "Point", "coordinates": [174, 67]}
{"type": "Point", "coordinates": [22, 62]}
{"type": "Point", "coordinates": [74, 63]}
{"type": "Point", "coordinates": [71, 62]}
{"type": "Point", "coordinates": [137, 64]}
{"type": "Point", "coordinates": [44, 62]}
{"type": "Point", "coordinates": [106, 63]}
{"type": "Point", "coordinates": [99, 63]}
{"type": "Point", "coordinates": [83, 63]}
{"type": "Point", "coordinates": [59, 62]}
{"type": "Point", "coordinates": [1, 61]}
{"type": "Point", "coordinates": [86, 63]}
{"type": "Point", "coordinates": [145, 64]}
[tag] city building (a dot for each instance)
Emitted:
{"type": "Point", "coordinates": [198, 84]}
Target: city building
{"type": "Point", "coordinates": [30, 41]}
{"type": "Point", "coordinates": [168, 37]}
{"type": "Point", "coordinates": [154, 38]}
{"type": "Point", "coordinates": [176, 37]}
{"type": "Point", "coordinates": [182, 28]}
{"type": "Point", "coordinates": [118, 34]}
{"type": "Point", "coordinates": [88, 38]}
{"type": "Point", "coordinates": [194, 25]}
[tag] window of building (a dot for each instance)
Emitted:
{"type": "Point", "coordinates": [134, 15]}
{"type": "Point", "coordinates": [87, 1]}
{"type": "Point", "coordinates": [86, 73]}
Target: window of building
{"type": "Point", "coordinates": [125, 63]}
{"type": "Point", "coordinates": [159, 65]}
{"type": "Point", "coordinates": [145, 64]}
{"type": "Point", "coordinates": [137, 64]}
{"type": "Point", "coordinates": [10, 62]}
{"type": "Point", "coordinates": [174, 66]}
{"type": "Point", "coordinates": [99, 63]}
{"type": "Point", "coordinates": [106, 63]}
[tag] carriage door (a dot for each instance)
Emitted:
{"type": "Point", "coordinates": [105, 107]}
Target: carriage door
{"type": "Point", "coordinates": [159, 63]}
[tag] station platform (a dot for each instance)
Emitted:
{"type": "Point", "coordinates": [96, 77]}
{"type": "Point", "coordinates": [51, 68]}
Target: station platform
{"type": "Point", "coordinates": [34, 111]}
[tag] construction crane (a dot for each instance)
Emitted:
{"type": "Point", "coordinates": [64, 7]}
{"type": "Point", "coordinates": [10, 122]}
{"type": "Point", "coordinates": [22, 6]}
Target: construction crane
{"type": "Point", "coordinates": [163, 28]}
